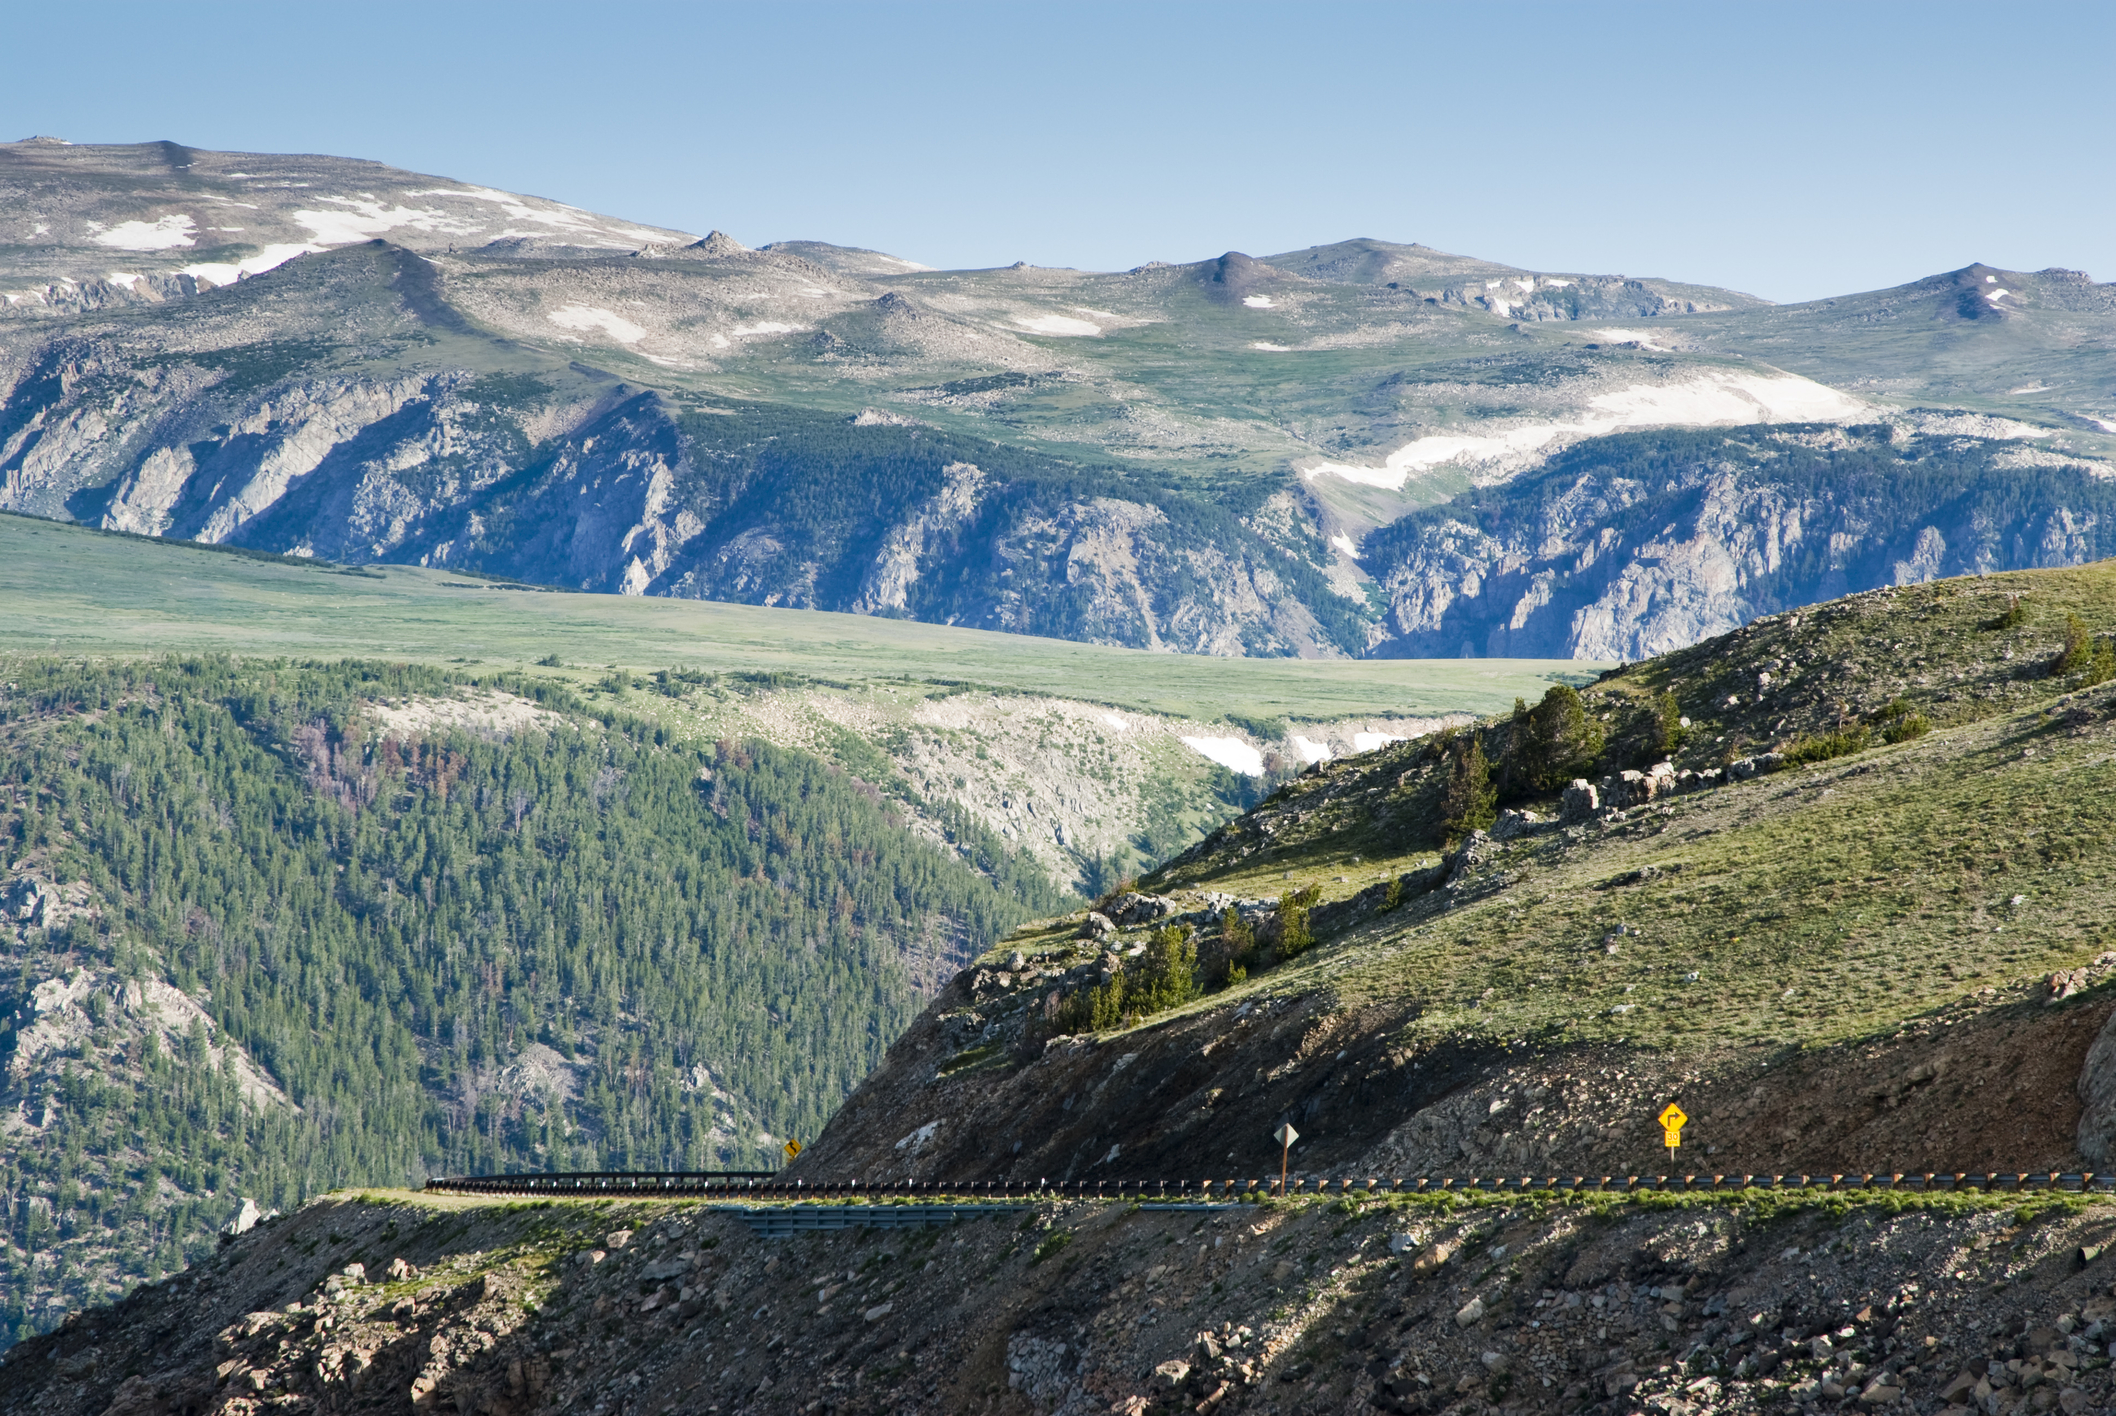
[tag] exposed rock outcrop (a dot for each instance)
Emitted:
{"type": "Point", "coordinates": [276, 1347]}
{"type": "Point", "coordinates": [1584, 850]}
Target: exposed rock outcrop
{"type": "Point", "coordinates": [1631, 546]}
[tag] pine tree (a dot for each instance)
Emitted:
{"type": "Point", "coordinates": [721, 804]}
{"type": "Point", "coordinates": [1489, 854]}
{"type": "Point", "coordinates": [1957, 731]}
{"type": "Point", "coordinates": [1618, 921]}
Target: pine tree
{"type": "Point", "coordinates": [1471, 802]}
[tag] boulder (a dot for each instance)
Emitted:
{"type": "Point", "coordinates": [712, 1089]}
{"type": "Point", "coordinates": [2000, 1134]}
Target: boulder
{"type": "Point", "coordinates": [1431, 1257]}
{"type": "Point", "coordinates": [1096, 926]}
{"type": "Point", "coordinates": [1133, 908]}
{"type": "Point", "coordinates": [1169, 1375]}
{"type": "Point", "coordinates": [1473, 852]}
{"type": "Point", "coordinates": [1469, 1312]}
{"type": "Point", "coordinates": [245, 1218]}
{"type": "Point", "coordinates": [1580, 804]}
{"type": "Point", "coordinates": [1743, 768]}
{"type": "Point", "coordinates": [27, 900]}
{"type": "Point", "coordinates": [2064, 983]}
{"type": "Point", "coordinates": [1519, 823]}
{"type": "Point", "coordinates": [1632, 788]}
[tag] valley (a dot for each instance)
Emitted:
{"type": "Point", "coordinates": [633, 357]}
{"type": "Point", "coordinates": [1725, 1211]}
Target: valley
{"type": "Point", "coordinates": [490, 687]}
{"type": "Point", "coordinates": [1843, 945]}
{"type": "Point", "coordinates": [272, 918]}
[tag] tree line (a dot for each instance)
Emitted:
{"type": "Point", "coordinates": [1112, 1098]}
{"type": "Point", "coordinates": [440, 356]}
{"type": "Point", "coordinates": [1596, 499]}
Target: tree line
{"type": "Point", "coordinates": [582, 946]}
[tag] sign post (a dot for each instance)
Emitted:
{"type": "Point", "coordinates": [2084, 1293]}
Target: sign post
{"type": "Point", "coordinates": [1285, 1136]}
{"type": "Point", "coordinates": [1671, 1125]}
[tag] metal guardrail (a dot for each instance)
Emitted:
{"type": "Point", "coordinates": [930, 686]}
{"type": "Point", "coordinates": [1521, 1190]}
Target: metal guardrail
{"type": "Point", "coordinates": [606, 1183]}
{"type": "Point", "coordinates": [766, 1185]}
{"type": "Point", "coordinates": [779, 1221]}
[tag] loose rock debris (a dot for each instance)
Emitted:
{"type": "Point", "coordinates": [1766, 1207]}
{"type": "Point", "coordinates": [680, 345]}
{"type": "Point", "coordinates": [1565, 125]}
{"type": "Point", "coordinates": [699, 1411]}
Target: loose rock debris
{"type": "Point", "coordinates": [1489, 1307]}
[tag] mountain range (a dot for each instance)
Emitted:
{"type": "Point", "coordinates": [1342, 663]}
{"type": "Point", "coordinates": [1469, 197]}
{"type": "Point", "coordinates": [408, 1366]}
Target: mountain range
{"type": "Point", "coordinates": [1360, 449]}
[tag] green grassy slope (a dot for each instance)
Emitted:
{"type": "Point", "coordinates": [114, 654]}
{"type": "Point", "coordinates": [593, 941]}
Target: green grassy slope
{"type": "Point", "coordinates": [2040, 351]}
{"type": "Point", "coordinates": [1830, 900]}
{"type": "Point", "coordinates": [71, 590]}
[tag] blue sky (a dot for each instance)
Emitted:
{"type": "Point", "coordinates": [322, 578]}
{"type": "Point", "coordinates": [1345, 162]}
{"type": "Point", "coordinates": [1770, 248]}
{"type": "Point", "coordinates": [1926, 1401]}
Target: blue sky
{"type": "Point", "coordinates": [1790, 150]}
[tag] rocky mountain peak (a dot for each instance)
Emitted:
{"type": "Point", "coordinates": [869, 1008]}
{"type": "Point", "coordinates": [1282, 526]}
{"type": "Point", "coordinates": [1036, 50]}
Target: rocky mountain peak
{"type": "Point", "coordinates": [1235, 274]}
{"type": "Point", "coordinates": [719, 243]}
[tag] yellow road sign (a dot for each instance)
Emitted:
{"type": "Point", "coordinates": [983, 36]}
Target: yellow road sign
{"type": "Point", "coordinates": [792, 1148]}
{"type": "Point", "coordinates": [1671, 1121]}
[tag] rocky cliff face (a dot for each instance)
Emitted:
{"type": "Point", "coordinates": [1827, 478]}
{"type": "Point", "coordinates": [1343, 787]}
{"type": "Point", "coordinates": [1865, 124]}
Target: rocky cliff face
{"type": "Point", "coordinates": [379, 366]}
{"type": "Point", "coordinates": [1634, 546]}
{"type": "Point", "coordinates": [224, 430]}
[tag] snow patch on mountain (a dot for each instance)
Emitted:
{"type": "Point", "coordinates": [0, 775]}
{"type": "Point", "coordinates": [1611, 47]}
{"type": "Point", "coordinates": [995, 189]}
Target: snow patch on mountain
{"type": "Point", "coordinates": [1643, 338]}
{"type": "Point", "coordinates": [228, 272]}
{"type": "Point", "coordinates": [587, 317]}
{"type": "Point", "coordinates": [554, 215]}
{"type": "Point", "coordinates": [1718, 397]}
{"type": "Point", "coordinates": [363, 219]}
{"type": "Point", "coordinates": [1231, 753]}
{"type": "Point", "coordinates": [1057, 324]}
{"type": "Point", "coordinates": [162, 234]}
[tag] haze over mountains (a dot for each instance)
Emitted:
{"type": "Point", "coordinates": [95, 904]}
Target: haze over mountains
{"type": "Point", "coordinates": [1356, 449]}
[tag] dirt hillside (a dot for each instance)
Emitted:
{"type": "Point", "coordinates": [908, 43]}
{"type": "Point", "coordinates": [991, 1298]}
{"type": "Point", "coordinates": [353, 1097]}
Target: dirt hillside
{"type": "Point", "coordinates": [396, 1303]}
